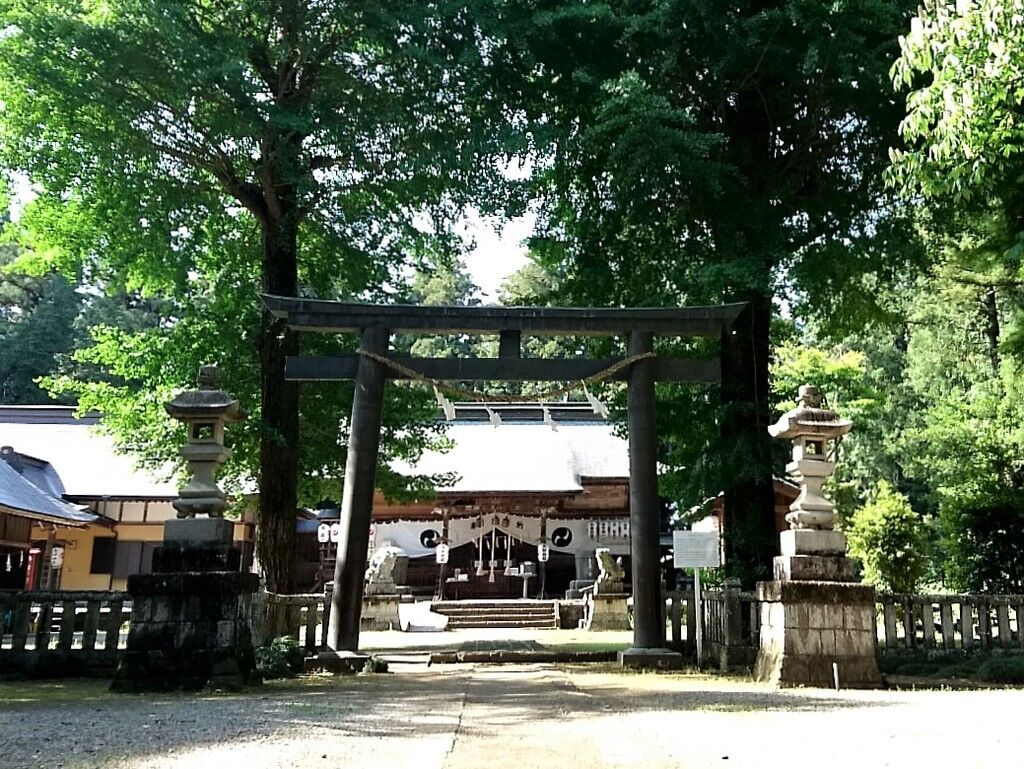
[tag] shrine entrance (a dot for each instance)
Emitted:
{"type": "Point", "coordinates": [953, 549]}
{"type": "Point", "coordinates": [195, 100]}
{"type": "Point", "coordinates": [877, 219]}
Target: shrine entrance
{"type": "Point", "coordinates": [498, 564]}
{"type": "Point", "coordinates": [374, 363]}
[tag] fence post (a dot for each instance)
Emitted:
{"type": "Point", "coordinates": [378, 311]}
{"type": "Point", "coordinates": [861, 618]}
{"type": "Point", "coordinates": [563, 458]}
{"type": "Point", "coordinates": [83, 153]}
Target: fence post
{"type": "Point", "coordinates": [946, 617]}
{"type": "Point", "coordinates": [1003, 624]}
{"type": "Point", "coordinates": [889, 615]}
{"type": "Point", "coordinates": [43, 625]}
{"type": "Point", "coordinates": [909, 634]}
{"type": "Point", "coordinates": [114, 624]}
{"type": "Point", "coordinates": [675, 615]}
{"type": "Point", "coordinates": [691, 624]}
{"type": "Point", "coordinates": [967, 623]}
{"type": "Point", "coordinates": [92, 624]}
{"type": "Point", "coordinates": [67, 625]}
{"type": "Point", "coordinates": [732, 632]}
{"type": "Point", "coordinates": [22, 611]}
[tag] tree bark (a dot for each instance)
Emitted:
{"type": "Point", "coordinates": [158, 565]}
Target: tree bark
{"type": "Point", "coordinates": [751, 540]}
{"type": "Point", "coordinates": [279, 410]}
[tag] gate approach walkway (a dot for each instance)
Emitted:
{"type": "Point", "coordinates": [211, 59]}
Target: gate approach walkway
{"type": "Point", "coordinates": [503, 717]}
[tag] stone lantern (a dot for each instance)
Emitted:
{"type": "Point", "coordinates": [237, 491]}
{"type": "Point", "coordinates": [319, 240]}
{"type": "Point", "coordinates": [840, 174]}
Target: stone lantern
{"type": "Point", "coordinates": [191, 617]}
{"type": "Point", "coordinates": [817, 620]}
{"type": "Point", "coordinates": [813, 431]}
{"type": "Point", "coordinates": [204, 412]}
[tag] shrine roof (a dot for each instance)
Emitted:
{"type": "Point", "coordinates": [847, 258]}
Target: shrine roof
{"type": "Point", "coordinates": [86, 460]}
{"type": "Point", "coordinates": [525, 455]}
{"type": "Point", "coordinates": [21, 497]}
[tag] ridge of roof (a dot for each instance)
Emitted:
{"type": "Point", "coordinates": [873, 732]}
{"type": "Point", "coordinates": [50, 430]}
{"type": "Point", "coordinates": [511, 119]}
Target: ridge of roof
{"type": "Point", "coordinates": [46, 414]}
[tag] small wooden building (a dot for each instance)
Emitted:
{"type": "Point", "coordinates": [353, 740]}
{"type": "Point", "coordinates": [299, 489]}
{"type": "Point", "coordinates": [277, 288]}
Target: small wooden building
{"type": "Point", "coordinates": [30, 499]}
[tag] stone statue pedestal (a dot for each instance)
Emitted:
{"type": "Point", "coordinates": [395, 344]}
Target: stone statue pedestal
{"type": "Point", "coordinates": [190, 625]}
{"type": "Point", "coordinates": [605, 611]}
{"type": "Point", "coordinates": [380, 611]}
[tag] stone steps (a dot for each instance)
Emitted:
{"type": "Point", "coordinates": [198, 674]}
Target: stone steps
{"type": "Point", "coordinates": [509, 614]}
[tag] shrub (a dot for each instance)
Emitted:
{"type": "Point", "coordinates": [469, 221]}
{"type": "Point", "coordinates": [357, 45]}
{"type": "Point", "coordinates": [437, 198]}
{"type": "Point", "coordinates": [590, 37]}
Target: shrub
{"type": "Point", "coordinates": [984, 539]}
{"type": "Point", "coordinates": [1003, 670]}
{"type": "Point", "coordinates": [281, 658]}
{"type": "Point", "coordinates": [890, 540]}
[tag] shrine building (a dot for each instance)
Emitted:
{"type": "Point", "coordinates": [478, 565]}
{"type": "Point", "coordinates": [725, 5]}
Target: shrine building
{"type": "Point", "coordinates": [563, 483]}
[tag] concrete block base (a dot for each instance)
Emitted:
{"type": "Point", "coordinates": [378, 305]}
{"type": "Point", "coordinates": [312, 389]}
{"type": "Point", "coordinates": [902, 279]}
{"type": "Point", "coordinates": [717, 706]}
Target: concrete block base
{"type": "Point", "coordinates": [199, 530]}
{"type": "Point", "coordinates": [336, 662]}
{"type": "Point", "coordinates": [607, 611]}
{"type": "Point", "coordinates": [650, 659]}
{"type": "Point", "coordinates": [192, 556]}
{"type": "Point", "coordinates": [815, 568]}
{"type": "Point", "coordinates": [812, 631]}
{"type": "Point", "coordinates": [189, 631]}
{"type": "Point", "coordinates": [812, 542]}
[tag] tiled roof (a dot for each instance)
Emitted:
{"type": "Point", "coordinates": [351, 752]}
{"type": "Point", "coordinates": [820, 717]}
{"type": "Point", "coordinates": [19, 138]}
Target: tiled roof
{"type": "Point", "coordinates": [20, 496]}
{"type": "Point", "coordinates": [525, 456]}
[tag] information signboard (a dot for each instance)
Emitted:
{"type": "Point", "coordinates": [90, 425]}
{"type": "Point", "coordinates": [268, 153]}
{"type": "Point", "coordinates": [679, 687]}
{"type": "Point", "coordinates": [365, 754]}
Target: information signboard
{"type": "Point", "coordinates": [696, 549]}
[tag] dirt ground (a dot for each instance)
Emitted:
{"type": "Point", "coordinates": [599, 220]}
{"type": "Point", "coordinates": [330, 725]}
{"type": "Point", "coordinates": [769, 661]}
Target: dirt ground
{"type": "Point", "coordinates": [518, 717]}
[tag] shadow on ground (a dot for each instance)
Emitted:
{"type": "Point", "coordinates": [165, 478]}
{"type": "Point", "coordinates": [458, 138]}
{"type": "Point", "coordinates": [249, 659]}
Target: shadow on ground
{"type": "Point", "coordinates": [416, 703]}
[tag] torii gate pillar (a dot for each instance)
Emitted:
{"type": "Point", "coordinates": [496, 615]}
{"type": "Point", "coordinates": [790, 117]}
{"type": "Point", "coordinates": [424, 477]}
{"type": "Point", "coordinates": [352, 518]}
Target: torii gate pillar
{"type": "Point", "coordinates": [648, 650]}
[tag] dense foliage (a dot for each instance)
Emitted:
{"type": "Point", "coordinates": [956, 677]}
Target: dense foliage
{"type": "Point", "coordinates": [205, 152]}
{"type": "Point", "coordinates": [719, 151]}
{"type": "Point", "coordinates": [850, 170]}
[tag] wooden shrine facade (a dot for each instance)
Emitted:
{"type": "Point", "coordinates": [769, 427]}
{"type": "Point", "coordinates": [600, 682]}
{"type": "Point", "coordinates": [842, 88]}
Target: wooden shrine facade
{"type": "Point", "coordinates": [375, 363]}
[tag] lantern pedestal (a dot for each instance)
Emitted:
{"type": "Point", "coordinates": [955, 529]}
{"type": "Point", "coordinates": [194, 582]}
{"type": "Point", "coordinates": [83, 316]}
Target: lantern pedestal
{"type": "Point", "coordinates": [190, 630]}
{"type": "Point", "coordinates": [190, 626]}
{"type": "Point", "coordinates": [817, 634]}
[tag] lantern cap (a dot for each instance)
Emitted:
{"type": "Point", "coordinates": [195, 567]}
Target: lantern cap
{"type": "Point", "coordinates": [810, 419]}
{"type": "Point", "coordinates": [207, 400]}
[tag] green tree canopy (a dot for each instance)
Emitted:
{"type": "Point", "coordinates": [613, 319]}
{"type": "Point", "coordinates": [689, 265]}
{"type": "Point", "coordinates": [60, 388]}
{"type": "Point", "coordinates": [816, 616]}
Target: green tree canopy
{"type": "Point", "coordinates": [719, 151]}
{"type": "Point", "coordinates": [303, 137]}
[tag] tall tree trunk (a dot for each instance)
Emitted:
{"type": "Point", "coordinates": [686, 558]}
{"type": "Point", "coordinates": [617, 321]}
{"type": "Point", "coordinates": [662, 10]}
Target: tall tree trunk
{"type": "Point", "coordinates": [751, 540]}
{"type": "Point", "coordinates": [279, 436]}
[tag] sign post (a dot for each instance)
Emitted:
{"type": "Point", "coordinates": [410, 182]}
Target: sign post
{"type": "Point", "coordinates": [696, 550]}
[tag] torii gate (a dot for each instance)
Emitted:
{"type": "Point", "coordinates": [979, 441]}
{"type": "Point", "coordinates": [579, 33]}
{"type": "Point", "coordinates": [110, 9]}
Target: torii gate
{"type": "Point", "coordinates": [372, 366]}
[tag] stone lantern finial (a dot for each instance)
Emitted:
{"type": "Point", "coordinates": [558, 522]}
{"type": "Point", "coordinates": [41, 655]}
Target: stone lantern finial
{"type": "Point", "coordinates": [209, 377]}
{"type": "Point", "coordinates": [810, 396]}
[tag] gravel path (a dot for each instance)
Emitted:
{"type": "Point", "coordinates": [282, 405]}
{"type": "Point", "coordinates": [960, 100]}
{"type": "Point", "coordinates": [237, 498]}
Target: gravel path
{"type": "Point", "coordinates": [519, 717]}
